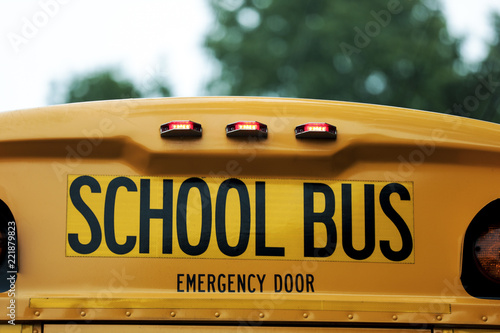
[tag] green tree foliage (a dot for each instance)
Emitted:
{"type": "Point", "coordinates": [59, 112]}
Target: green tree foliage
{"type": "Point", "coordinates": [482, 99]}
{"type": "Point", "coordinates": [376, 51]}
{"type": "Point", "coordinates": [100, 86]}
{"type": "Point", "coordinates": [108, 84]}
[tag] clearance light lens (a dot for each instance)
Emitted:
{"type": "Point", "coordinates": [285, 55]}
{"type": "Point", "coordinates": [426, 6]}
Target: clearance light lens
{"type": "Point", "coordinates": [246, 129]}
{"type": "Point", "coordinates": [317, 128]}
{"type": "Point", "coordinates": [487, 253]}
{"type": "Point", "coordinates": [247, 126]}
{"type": "Point", "coordinates": [180, 125]}
{"type": "Point", "coordinates": [316, 131]}
{"type": "Point", "coordinates": [180, 128]}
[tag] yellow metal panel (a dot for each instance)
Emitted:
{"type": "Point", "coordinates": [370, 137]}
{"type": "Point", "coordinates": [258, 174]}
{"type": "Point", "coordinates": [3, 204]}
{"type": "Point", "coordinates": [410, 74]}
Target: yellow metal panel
{"type": "Point", "coordinates": [451, 165]}
{"type": "Point", "coordinates": [82, 303]}
{"type": "Point", "coordinates": [19, 328]}
{"type": "Point", "coordinates": [188, 328]}
{"type": "Point", "coordinates": [11, 328]}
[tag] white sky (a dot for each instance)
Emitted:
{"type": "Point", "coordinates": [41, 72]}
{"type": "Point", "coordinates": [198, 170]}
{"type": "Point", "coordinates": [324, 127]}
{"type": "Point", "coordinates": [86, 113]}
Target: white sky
{"type": "Point", "coordinates": [143, 38]}
{"type": "Point", "coordinates": [471, 19]}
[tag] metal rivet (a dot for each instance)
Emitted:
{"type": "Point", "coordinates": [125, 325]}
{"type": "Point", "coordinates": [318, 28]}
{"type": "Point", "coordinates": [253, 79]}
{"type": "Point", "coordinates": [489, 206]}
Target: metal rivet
{"type": "Point", "coordinates": [394, 317]}
{"type": "Point", "coordinates": [37, 313]}
{"type": "Point", "coordinates": [172, 314]}
{"type": "Point", "coordinates": [350, 316]}
{"type": "Point", "coordinates": [438, 317]}
{"type": "Point", "coordinates": [217, 315]}
{"type": "Point", "coordinates": [127, 314]}
{"type": "Point", "coordinates": [261, 315]}
{"type": "Point", "coordinates": [484, 318]}
{"type": "Point", "coordinates": [305, 315]}
{"type": "Point", "coordinates": [83, 314]}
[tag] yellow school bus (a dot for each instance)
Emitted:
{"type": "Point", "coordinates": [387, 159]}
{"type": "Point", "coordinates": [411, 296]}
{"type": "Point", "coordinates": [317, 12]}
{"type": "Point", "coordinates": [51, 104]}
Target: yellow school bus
{"type": "Point", "coordinates": [242, 214]}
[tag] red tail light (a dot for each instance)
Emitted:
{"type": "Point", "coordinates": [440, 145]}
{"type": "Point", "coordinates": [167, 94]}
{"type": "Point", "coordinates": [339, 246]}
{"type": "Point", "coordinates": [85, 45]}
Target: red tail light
{"type": "Point", "coordinates": [487, 252]}
{"type": "Point", "coordinates": [481, 253]}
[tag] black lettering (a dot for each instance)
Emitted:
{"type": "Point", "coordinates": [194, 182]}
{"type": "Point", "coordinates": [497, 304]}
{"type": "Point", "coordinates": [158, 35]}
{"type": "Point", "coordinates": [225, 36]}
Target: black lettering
{"type": "Point", "coordinates": [87, 213]}
{"type": "Point", "coordinates": [191, 282]}
{"type": "Point", "coordinates": [222, 286]}
{"type": "Point", "coordinates": [109, 216]}
{"type": "Point", "coordinates": [250, 289]}
{"type": "Point", "coordinates": [299, 283]}
{"type": "Point", "coordinates": [261, 281]}
{"type": "Point", "coordinates": [241, 283]}
{"type": "Point", "coordinates": [288, 283]}
{"type": "Point", "coordinates": [200, 283]}
{"type": "Point", "coordinates": [179, 282]}
{"type": "Point", "coordinates": [325, 217]}
{"type": "Point", "coordinates": [211, 283]}
{"type": "Point", "coordinates": [206, 217]}
{"type": "Point", "coordinates": [309, 282]}
{"type": "Point", "coordinates": [147, 213]}
{"type": "Point", "coordinates": [369, 222]}
{"type": "Point", "coordinates": [220, 217]}
{"type": "Point", "coordinates": [278, 283]}
{"type": "Point", "coordinates": [230, 282]}
{"type": "Point", "coordinates": [260, 229]}
{"type": "Point", "coordinates": [390, 212]}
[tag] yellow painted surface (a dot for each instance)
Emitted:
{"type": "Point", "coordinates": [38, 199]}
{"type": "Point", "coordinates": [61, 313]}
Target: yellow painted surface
{"type": "Point", "coordinates": [188, 328]}
{"type": "Point", "coordinates": [79, 303]}
{"type": "Point", "coordinates": [10, 328]}
{"type": "Point", "coordinates": [450, 167]}
{"type": "Point", "coordinates": [19, 328]}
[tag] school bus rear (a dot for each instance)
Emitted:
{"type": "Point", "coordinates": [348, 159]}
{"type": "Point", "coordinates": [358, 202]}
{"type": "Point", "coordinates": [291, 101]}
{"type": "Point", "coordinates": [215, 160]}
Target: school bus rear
{"type": "Point", "coordinates": [248, 213]}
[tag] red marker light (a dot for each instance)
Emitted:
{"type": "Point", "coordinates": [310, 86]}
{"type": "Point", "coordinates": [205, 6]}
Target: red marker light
{"type": "Point", "coordinates": [315, 127]}
{"type": "Point", "coordinates": [246, 129]}
{"type": "Point", "coordinates": [247, 126]}
{"type": "Point", "coordinates": [180, 128]}
{"type": "Point", "coordinates": [181, 125]}
{"type": "Point", "coordinates": [316, 131]}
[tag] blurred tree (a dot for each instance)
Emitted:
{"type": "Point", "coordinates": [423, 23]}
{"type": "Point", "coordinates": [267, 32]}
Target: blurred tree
{"type": "Point", "coordinates": [107, 84]}
{"type": "Point", "coordinates": [375, 51]}
{"type": "Point", "coordinates": [483, 98]}
{"type": "Point", "coordinates": [100, 85]}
